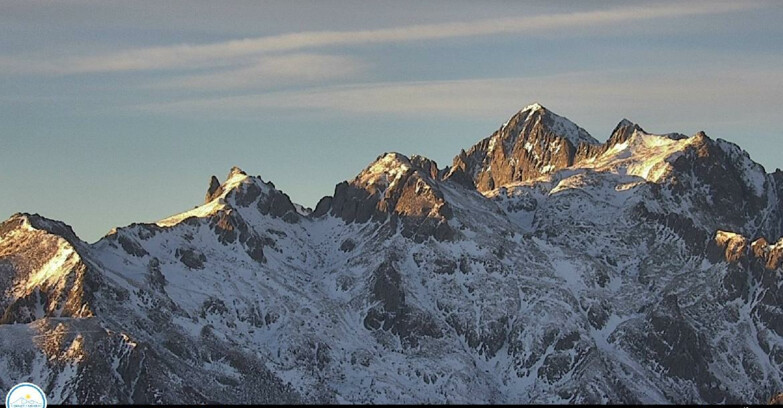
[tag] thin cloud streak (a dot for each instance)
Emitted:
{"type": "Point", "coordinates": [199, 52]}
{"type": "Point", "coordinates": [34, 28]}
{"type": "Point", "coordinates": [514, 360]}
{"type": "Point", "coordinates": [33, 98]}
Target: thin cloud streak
{"type": "Point", "coordinates": [239, 51]}
{"type": "Point", "coordinates": [273, 70]}
{"type": "Point", "coordinates": [674, 96]}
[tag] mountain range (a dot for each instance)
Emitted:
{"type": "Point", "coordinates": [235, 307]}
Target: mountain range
{"type": "Point", "coordinates": [541, 266]}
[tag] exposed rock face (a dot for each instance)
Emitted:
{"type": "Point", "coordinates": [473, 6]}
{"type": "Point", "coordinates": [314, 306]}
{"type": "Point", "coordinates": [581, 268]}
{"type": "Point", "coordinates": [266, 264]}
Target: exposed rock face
{"type": "Point", "coordinates": [729, 175]}
{"type": "Point", "coordinates": [622, 132]}
{"type": "Point", "coordinates": [405, 190]}
{"type": "Point", "coordinates": [738, 248]}
{"type": "Point", "coordinates": [735, 246]}
{"type": "Point", "coordinates": [254, 191]}
{"type": "Point", "coordinates": [754, 275]}
{"type": "Point", "coordinates": [680, 348]}
{"type": "Point", "coordinates": [192, 258]}
{"type": "Point", "coordinates": [214, 189]}
{"type": "Point", "coordinates": [323, 207]}
{"type": "Point", "coordinates": [533, 142]}
{"type": "Point", "coordinates": [394, 314]}
{"type": "Point", "coordinates": [771, 254]}
{"type": "Point", "coordinates": [41, 272]}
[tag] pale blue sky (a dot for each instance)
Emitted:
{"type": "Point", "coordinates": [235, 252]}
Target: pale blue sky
{"type": "Point", "coordinates": [114, 112]}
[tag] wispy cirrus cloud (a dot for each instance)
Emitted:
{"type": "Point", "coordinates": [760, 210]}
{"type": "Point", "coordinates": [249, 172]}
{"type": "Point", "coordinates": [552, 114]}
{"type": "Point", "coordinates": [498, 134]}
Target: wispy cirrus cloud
{"type": "Point", "coordinates": [620, 91]}
{"type": "Point", "coordinates": [273, 70]}
{"type": "Point", "coordinates": [231, 53]}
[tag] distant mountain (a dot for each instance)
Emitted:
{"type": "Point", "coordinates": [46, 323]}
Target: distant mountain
{"type": "Point", "coordinates": [542, 266]}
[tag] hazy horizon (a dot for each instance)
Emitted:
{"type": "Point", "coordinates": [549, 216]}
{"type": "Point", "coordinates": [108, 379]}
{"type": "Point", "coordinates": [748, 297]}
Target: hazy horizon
{"type": "Point", "coordinates": [118, 112]}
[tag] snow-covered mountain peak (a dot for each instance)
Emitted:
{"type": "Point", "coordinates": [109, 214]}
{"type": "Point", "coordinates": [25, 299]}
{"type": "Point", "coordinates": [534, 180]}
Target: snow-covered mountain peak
{"type": "Point", "coordinates": [626, 128]}
{"type": "Point", "coordinates": [385, 170]}
{"type": "Point", "coordinates": [41, 270]}
{"type": "Point", "coordinates": [535, 106]}
{"type": "Point", "coordinates": [384, 175]}
{"type": "Point", "coordinates": [235, 171]}
{"type": "Point", "coordinates": [532, 142]}
{"type": "Point", "coordinates": [397, 189]}
{"type": "Point", "coordinates": [237, 177]}
{"type": "Point", "coordinates": [18, 221]}
{"type": "Point", "coordinates": [33, 222]}
{"type": "Point", "coordinates": [537, 115]}
{"type": "Point", "coordinates": [390, 168]}
{"type": "Point", "coordinates": [633, 151]}
{"type": "Point", "coordinates": [391, 174]}
{"type": "Point", "coordinates": [623, 131]}
{"type": "Point", "coordinates": [223, 196]}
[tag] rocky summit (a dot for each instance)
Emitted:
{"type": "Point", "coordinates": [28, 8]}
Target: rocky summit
{"type": "Point", "coordinates": [542, 266]}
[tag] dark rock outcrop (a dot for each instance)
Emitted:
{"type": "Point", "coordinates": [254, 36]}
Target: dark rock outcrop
{"type": "Point", "coordinates": [230, 227]}
{"type": "Point", "coordinates": [623, 131]}
{"type": "Point", "coordinates": [323, 207]}
{"type": "Point", "coordinates": [191, 257]}
{"type": "Point", "coordinates": [673, 342]}
{"type": "Point", "coordinates": [393, 313]}
{"type": "Point", "coordinates": [214, 189]}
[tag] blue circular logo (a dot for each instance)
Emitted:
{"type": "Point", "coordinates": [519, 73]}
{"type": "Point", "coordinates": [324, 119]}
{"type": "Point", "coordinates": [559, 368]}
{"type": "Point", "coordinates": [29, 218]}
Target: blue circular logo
{"type": "Point", "coordinates": [25, 395]}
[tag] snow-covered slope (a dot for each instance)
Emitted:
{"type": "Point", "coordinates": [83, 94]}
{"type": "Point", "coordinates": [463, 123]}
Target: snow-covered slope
{"type": "Point", "coordinates": [632, 271]}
